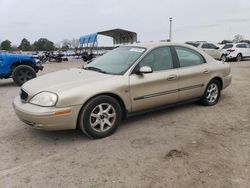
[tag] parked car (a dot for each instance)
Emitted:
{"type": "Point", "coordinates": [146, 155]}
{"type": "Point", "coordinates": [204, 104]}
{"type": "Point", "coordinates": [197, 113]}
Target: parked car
{"type": "Point", "coordinates": [236, 51]}
{"type": "Point", "coordinates": [210, 48]}
{"type": "Point", "coordinates": [124, 81]}
{"type": "Point", "coordinates": [19, 67]}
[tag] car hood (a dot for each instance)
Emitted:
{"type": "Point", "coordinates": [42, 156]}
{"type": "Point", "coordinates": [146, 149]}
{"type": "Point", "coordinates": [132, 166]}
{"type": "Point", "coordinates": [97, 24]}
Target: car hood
{"type": "Point", "coordinates": [63, 80]}
{"type": "Point", "coordinates": [20, 56]}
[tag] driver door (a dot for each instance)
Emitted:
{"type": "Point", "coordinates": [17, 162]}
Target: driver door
{"type": "Point", "coordinates": [157, 88]}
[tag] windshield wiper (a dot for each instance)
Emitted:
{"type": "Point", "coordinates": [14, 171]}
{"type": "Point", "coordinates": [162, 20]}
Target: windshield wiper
{"type": "Point", "coordinates": [95, 69]}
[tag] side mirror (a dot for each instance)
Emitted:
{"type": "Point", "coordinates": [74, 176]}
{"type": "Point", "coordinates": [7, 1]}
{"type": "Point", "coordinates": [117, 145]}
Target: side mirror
{"type": "Point", "coordinates": [216, 48]}
{"type": "Point", "coordinates": [145, 70]}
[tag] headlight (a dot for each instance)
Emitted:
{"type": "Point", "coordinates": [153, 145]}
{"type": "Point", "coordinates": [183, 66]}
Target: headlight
{"type": "Point", "coordinates": [44, 98]}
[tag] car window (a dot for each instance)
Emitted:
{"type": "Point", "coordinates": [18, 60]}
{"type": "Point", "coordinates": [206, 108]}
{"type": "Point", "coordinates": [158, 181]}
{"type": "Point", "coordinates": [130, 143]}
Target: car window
{"type": "Point", "coordinates": [241, 46]}
{"type": "Point", "coordinates": [205, 45]}
{"type": "Point", "coordinates": [188, 57]}
{"type": "Point", "coordinates": [228, 46]}
{"type": "Point", "coordinates": [209, 46]}
{"type": "Point", "coordinates": [193, 44]}
{"type": "Point", "coordinates": [158, 59]}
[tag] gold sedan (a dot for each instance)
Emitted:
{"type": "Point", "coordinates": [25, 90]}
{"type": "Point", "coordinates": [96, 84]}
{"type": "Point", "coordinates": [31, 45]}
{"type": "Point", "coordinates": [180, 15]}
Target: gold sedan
{"type": "Point", "coordinates": [125, 80]}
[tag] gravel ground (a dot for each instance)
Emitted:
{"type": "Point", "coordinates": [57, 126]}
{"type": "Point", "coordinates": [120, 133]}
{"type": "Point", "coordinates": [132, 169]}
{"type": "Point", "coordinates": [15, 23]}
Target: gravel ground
{"type": "Point", "coordinates": [185, 146]}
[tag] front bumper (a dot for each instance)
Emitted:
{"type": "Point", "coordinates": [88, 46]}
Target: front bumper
{"type": "Point", "coordinates": [38, 67]}
{"type": "Point", "coordinates": [47, 118]}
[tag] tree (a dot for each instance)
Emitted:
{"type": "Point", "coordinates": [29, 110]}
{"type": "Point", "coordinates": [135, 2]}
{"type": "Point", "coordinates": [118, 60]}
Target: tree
{"type": "Point", "coordinates": [25, 45]}
{"type": "Point", "coordinates": [43, 44]}
{"type": "Point", "coordinates": [75, 43]}
{"type": "Point", "coordinates": [238, 38]}
{"type": "Point", "coordinates": [5, 45]}
{"type": "Point", "coordinates": [66, 44]}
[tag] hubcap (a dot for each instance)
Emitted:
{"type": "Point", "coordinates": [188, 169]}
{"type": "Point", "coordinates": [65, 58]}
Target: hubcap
{"type": "Point", "coordinates": [24, 75]}
{"type": "Point", "coordinates": [103, 117]}
{"type": "Point", "coordinates": [212, 93]}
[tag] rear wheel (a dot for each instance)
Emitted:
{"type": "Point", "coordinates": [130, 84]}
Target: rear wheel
{"type": "Point", "coordinates": [223, 58]}
{"type": "Point", "coordinates": [239, 58]}
{"type": "Point", "coordinates": [22, 74]}
{"type": "Point", "coordinates": [100, 117]}
{"type": "Point", "coordinates": [212, 93]}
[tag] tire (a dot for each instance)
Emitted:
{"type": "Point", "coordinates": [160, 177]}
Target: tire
{"type": "Point", "coordinates": [223, 58]}
{"type": "Point", "coordinates": [239, 58]}
{"type": "Point", "coordinates": [22, 74]}
{"type": "Point", "coordinates": [212, 93]}
{"type": "Point", "coordinates": [100, 117]}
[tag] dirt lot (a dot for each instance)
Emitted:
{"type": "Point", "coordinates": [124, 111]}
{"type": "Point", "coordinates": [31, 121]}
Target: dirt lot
{"type": "Point", "coordinates": [185, 146]}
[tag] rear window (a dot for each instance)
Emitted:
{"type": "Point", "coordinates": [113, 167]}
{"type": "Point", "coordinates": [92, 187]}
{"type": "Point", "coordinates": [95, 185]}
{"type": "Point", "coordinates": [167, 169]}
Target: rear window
{"type": "Point", "coordinates": [227, 46]}
{"type": "Point", "coordinates": [193, 44]}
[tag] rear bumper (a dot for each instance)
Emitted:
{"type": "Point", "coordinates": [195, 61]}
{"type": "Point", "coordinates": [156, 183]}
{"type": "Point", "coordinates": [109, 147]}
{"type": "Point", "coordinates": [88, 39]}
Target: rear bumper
{"type": "Point", "coordinates": [45, 117]}
{"type": "Point", "coordinates": [227, 81]}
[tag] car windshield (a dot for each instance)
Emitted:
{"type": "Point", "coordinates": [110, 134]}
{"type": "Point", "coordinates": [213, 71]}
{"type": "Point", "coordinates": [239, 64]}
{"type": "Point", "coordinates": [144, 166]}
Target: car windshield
{"type": "Point", "coordinates": [116, 61]}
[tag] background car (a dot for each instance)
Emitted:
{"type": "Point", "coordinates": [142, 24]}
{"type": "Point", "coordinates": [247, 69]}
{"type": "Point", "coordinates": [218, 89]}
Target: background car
{"type": "Point", "coordinates": [210, 48]}
{"type": "Point", "coordinates": [237, 51]}
{"type": "Point", "coordinates": [125, 80]}
{"type": "Point", "coordinates": [20, 67]}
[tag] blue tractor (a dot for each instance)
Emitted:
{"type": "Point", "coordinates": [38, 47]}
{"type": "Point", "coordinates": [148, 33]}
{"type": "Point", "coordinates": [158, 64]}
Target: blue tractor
{"type": "Point", "coordinates": [19, 67]}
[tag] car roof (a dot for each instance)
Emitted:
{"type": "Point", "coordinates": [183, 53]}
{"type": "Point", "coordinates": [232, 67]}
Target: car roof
{"type": "Point", "coordinates": [150, 45]}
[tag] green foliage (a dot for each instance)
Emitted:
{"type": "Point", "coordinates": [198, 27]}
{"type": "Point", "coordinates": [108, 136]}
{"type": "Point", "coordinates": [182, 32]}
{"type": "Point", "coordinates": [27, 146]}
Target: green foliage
{"type": "Point", "coordinates": [25, 45]}
{"type": "Point", "coordinates": [43, 44]}
{"type": "Point", "coordinates": [5, 45]}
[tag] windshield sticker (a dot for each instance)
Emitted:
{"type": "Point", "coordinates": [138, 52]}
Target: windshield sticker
{"type": "Point", "coordinates": [139, 50]}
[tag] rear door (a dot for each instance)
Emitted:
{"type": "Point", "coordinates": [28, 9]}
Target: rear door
{"type": "Point", "coordinates": [193, 73]}
{"type": "Point", "coordinates": [157, 88]}
{"type": "Point", "coordinates": [248, 50]}
{"type": "Point", "coordinates": [242, 48]}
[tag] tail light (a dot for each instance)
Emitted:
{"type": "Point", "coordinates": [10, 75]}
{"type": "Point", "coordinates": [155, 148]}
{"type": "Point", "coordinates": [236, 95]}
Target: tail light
{"type": "Point", "coordinates": [230, 50]}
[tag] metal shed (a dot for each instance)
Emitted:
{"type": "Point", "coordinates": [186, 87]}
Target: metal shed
{"type": "Point", "coordinates": [120, 36]}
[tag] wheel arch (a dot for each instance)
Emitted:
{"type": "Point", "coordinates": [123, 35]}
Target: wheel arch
{"type": "Point", "coordinates": [113, 95]}
{"type": "Point", "coordinates": [219, 79]}
{"type": "Point", "coordinates": [26, 62]}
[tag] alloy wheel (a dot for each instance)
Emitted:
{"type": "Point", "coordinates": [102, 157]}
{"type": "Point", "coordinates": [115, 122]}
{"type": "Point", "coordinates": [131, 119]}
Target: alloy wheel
{"type": "Point", "coordinates": [212, 93]}
{"type": "Point", "coordinates": [102, 117]}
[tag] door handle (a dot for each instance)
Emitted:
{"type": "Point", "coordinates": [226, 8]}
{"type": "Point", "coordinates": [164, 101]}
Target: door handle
{"type": "Point", "coordinates": [172, 77]}
{"type": "Point", "coordinates": [206, 71]}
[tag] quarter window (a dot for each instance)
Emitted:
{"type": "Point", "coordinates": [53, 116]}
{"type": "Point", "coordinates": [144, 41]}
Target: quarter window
{"type": "Point", "coordinates": [188, 57]}
{"type": "Point", "coordinates": [158, 59]}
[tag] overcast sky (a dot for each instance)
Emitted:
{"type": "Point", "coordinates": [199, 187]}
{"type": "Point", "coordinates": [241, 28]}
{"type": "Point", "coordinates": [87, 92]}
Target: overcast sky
{"type": "Point", "coordinates": [211, 20]}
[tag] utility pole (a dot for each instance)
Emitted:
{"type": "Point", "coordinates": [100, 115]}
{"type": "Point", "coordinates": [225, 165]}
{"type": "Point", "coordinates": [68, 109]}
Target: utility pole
{"type": "Point", "coordinates": [170, 29]}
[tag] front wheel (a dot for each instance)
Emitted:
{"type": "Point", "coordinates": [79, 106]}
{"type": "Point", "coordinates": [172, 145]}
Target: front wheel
{"type": "Point", "coordinates": [22, 74]}
{"type": "Point", "coordinates": [212, 93]}
{"type": "Point", "coordinates": [100, 117]}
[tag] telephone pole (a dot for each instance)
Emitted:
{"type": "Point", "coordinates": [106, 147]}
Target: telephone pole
{"type": "Point", "coordinates": [170, 28]}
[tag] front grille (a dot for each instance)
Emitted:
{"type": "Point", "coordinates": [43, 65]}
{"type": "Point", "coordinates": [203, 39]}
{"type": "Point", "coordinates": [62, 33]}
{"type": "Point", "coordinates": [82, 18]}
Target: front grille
{"type": "Point", "coordinates": [24, 95]}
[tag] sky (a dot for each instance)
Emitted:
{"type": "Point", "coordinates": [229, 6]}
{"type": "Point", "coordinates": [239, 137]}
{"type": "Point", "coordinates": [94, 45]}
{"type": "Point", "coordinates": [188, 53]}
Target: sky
{"type": "Point", "coordinates": [210, 20]}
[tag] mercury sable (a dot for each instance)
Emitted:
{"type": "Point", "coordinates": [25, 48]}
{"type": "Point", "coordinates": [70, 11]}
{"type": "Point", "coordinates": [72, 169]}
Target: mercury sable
{"type": "Point", "coordinates": [127, 79]}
